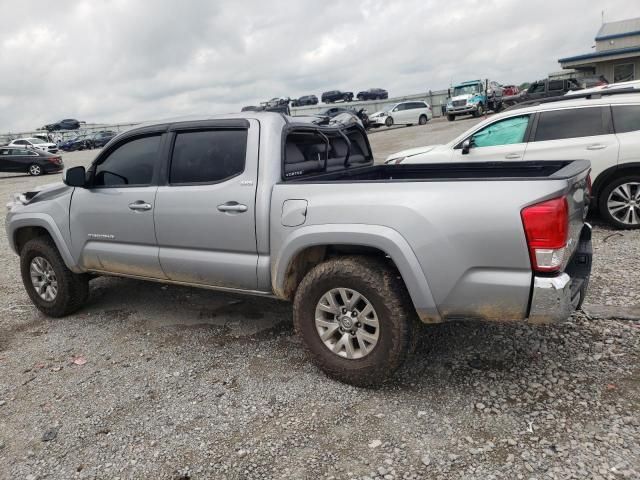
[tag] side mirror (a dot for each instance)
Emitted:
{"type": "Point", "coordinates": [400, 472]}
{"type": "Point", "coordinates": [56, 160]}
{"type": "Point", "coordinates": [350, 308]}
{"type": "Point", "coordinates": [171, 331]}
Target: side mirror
{"type": "Point", "coordinates": [76, 177]}
{"type": "Point", "coordinates": [466, 146]}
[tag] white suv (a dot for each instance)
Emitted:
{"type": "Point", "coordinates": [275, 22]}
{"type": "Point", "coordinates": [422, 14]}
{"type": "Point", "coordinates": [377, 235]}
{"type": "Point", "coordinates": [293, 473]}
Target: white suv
{"type": "Point", "coordinates": [37, 143]}
{"type": "Point", "coordinates": [603, 128]}
{"type": "Point", "coordinates": [404, 113]}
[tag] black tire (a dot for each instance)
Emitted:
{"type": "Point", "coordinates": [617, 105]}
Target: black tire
{"type": "Point", "coordinates": [381, 284]}
{"type": "Point", "coordinates": [451, 118]}
{"type": "Point", "coordinates": [603, 199]}
{"type": "Point", "coordinates": [389, 121]}
{"type": "Point", "coordinates": [423, 120]}
{"type": "Point", "coordinates": [479, 112]}
{"type": "Point", "coordinates": [35, 170]}
{"type": "Point", "coordinates": [73, 289]}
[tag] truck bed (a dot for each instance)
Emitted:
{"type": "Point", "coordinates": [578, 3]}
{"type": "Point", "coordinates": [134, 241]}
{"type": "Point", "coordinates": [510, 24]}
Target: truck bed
{"type": "Point", "coordinates": [532, 170]}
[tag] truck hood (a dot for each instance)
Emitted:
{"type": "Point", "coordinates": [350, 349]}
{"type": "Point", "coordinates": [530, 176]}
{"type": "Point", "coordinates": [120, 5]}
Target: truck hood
{"type": "Point", "coordinates": [411, 152]}
{"type": "Point", "coordinates": [47, 192]}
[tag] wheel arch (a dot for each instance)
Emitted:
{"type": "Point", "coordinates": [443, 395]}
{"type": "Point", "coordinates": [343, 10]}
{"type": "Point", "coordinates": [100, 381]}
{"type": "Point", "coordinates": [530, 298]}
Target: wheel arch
{"type": "Point", "coordinates": [611, 174]}
{"type": "Point", "coordinates": [309, 246]}
{"type": "Point", "coordinates": [21, 230]}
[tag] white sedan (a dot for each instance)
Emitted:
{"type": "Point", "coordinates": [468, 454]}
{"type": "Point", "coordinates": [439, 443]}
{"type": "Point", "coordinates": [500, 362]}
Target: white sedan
{"type": "Point", "coordinates": [403, 113]}
{"type": "Point", "coordinates": [37, 143]}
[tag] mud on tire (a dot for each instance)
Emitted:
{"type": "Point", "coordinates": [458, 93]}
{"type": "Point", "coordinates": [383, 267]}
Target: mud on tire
{"type": "Point", "coordinates": [72, 288]}
{"type": "Point", "coordinates": [383, 287]}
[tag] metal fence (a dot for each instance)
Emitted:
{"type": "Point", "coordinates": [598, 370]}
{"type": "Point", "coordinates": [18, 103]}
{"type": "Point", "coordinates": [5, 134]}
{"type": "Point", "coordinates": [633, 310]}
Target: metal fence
{"type": "Point", "coordinates": [63, 135]}
{"type": "Point", "coordinates": [435, 98]}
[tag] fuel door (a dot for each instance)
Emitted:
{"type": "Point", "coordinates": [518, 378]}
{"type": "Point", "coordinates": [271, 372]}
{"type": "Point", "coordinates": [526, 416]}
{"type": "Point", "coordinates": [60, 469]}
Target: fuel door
{"type": "Point", "coordinates": [294, 212]}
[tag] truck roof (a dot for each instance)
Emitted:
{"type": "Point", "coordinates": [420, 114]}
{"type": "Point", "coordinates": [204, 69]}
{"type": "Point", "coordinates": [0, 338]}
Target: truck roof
{"type": "Point", "coordinates": [469, 82]}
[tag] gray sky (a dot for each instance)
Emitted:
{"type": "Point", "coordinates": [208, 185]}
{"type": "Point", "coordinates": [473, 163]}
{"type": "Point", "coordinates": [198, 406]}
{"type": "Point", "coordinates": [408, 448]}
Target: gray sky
{"type": "Point", "coordinates": [119, 60]}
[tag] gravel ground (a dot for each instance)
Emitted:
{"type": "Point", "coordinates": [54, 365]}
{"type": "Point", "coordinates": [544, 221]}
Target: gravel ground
{"type": "Point", "coordinates": [152, 381]}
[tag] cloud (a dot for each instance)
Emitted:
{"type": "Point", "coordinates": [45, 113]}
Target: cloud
{"type": "Point", "coordinates": [119, 61]}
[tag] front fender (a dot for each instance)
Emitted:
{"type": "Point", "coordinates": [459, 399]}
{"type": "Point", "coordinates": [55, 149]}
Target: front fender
{"type": "Point", "coordinates": [18, 220]}
{"type": "Point", "coordinates": [385, 239]}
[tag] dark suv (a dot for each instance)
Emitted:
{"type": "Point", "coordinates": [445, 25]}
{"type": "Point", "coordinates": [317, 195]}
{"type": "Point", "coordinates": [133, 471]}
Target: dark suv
{"type": "Point", "coordinates": [336, 95]}
{"type": "Point", "coordinates": [304, 100]}
{"type": "Point", "coordinates": [373, 94]}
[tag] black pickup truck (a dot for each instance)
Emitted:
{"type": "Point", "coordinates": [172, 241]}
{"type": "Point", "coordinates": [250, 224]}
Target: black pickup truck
{"type": "Point", "coordinates": [543, 89]}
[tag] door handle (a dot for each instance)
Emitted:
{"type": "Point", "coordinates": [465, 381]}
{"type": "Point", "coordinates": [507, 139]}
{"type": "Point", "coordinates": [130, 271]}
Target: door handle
{"type": "Point", "coordinates": [234, 207]}
{"type": "Point", "coordinates": [140, 206]}
{"type": "Point", "coordinates": [596, 146]}
{"type": "Point", "coordinates": [512, 156]}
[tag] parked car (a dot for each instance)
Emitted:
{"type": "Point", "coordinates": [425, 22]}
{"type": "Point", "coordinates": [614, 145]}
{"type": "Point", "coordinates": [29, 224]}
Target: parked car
{"type": "Point", "coordinates": [593, 81]}
{"type": "Point", "coordinates": [304, 100]}
{"type": "Point", "coordinates": [339, 114]}
{"type": "Point", "coordinates": [510, 90]}
{"type": "Point", "coordinates": [277, 102]}
{"type": "Point", "coordinates": [336, 95]}
{"type": "Point", "coordinates": [373, 94]}
{"type": "Point", "coordinates": [66, 124]}
{"type": "Point", "coordinates": [81, 142]}
{"type": "Point", "coordinates": [28, 160]}
{"type": "Point", "coordinates": [403, 113]}
{"type": "Point", "coordinates": [300, 212]}
{"type": "Point", "coordinates": [100, 139]}
{"type": "Point", "coordinates": [35, 143]}
{"type": "Point", "coordinates": [604, 130]}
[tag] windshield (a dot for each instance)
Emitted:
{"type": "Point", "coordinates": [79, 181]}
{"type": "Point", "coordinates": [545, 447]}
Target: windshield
{"type": "Point", "coordinates": [466, 89]}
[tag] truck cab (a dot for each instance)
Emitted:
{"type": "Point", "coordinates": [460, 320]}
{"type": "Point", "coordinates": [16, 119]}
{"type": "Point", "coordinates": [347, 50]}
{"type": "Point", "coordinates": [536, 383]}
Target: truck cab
{"type": "Point", "coordinates": [474, 97]}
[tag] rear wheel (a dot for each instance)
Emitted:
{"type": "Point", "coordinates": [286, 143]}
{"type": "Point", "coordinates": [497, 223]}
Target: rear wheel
{"type": "Point", "coordinates": [619, 202]}
{"type": "Point", "coordinates": [35, 170]}
{"type": "Point", "coordinates": [53, 288]}
{"type": "Point", "coordinates": [389, 121]}
{"type": "Point", "coordinates": [354, 316]}
{"type": "Point", "coordinates": [423, 120]}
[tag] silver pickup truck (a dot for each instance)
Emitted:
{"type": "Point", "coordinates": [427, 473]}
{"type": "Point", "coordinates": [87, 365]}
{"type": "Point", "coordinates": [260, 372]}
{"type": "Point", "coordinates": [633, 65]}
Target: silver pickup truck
{"type": "Point", "coordinates": [265, 204]}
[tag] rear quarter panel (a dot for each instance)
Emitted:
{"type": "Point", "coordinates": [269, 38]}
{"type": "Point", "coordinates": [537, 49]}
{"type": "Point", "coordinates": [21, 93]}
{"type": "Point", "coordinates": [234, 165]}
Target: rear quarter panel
{"type": "Point", "coordinates": [466, 236]}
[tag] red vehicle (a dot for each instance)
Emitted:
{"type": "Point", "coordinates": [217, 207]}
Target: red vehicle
{"type": "Point", "coordinates": [509, 90]}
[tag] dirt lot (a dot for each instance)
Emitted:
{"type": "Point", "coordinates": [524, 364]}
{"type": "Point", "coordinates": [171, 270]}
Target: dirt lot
{"type": "Point", "coordinates": [184, 383]}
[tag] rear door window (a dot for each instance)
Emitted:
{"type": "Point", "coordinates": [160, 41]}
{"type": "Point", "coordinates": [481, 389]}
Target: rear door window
{"type": "Point", "coordinates": [503, 132]}
{"type": "Point", "coordinates": [626, 118]}
{"type": "Point", "coordinates": [208, 156]}
{"type": "Point", "coordinates": [570, 123]}
{"type": "Point", "coordinates": [555, 85]}
{"type": "Point", "coordinates": [130, 164]}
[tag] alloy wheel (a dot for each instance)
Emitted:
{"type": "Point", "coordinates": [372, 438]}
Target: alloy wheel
{"type": "Point", "coordinates": [35, 170]}
{"type": "Point", "coordinates": [624, 203]}
{"type": "Point", "coordinates": [43, 279]}
{"type": "Point", "coordinates": [347, 323]}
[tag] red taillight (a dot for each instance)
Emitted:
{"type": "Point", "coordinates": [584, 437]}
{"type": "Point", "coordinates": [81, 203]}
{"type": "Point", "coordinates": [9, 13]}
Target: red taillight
{"type": "Point", "coordinates": [56, 160]}
{"type": "Point", "coordinates": [546, 226]}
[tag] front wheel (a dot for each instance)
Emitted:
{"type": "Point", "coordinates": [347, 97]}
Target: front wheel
{"type": "Point", "coordinates": [388, 122]}
{"type": "Point", "coordinates": [423, 120]}
{"type": "Point", "coordinates": [354, 316]}
{"type": "Point", "coordinates": [619, 202]}
{"type": "Point", "coordinates": [53, 288]}
{"type": "Point", "coordinates": [35, 170]}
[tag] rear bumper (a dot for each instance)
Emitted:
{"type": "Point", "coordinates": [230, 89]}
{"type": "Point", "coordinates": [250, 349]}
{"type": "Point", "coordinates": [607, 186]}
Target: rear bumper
{"type": "Point", "coordinates": [554, 298]}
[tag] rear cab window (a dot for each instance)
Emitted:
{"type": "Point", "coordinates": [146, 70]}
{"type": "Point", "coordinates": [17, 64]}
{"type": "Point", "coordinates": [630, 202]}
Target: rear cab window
{"type": "Point", "coordinates": [570, 123]}
{"type": "Point", "coordinates": [311, 151]}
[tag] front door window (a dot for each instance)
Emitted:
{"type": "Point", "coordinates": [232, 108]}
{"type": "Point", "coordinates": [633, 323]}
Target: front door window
{"type": "Point", "coordinates": [504, 132]}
